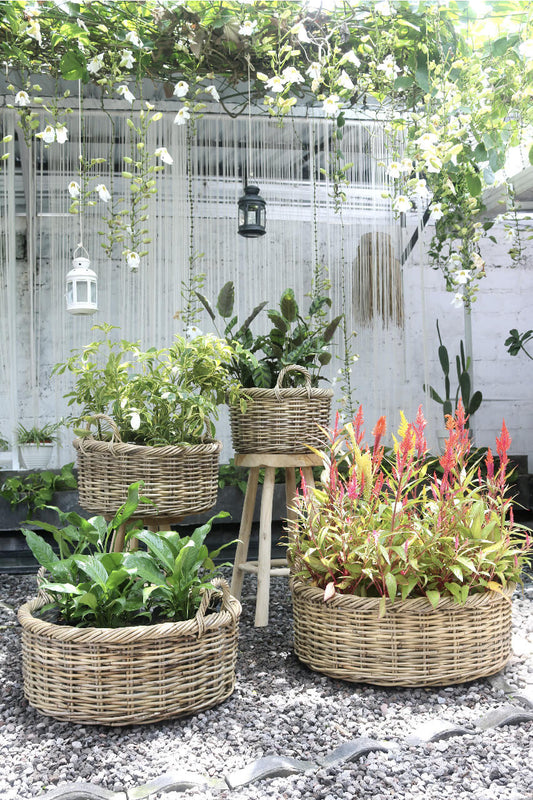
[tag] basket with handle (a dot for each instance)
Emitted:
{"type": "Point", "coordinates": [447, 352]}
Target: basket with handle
{"type": "Point", "coordinates": [137, 674]}
{"type": "Point", "coordinates": [282, 420]}
{"type": "Point", "coordinates": [179, 480]}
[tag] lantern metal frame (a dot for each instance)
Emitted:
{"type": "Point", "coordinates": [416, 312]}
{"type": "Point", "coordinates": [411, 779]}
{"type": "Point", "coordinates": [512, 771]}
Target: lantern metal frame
{"type": "Point", "coordinates": [81, 286]}
{"type": "Point", "coordinates": [252, 213]}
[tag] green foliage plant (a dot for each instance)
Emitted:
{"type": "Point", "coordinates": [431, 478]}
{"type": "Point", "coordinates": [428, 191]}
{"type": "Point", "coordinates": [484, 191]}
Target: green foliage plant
{"type": "Point", "coordinates": [155, 397]}
{"type": "Point", "coordinates": [37, 488]}
{"type": "Point", "coordinates": [398, 530]}
{"type": "Point", "coordinates": [293, 338]}
{"type": "Point", "coordinates": [470, 402]}
{"type": "Point", "coordinates": [515, 342]}
{"type": "Point", "coordinates": [45, 434]}
{"type": "Point", "coordinates": [90, 586]}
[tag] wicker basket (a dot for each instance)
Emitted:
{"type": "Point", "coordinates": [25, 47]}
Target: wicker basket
{"type": "Point", "coordinates": [118, 676]}
{"type": "Point", "coordinates": [180, 480]}
{"type": "Point", "coordinates": [411, 645]}
{"type": "Point", "coordinates": [281, 420]}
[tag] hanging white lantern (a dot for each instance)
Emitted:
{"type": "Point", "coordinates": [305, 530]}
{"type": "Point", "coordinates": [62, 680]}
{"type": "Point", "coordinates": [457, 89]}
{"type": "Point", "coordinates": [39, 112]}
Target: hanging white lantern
{"type": "Point", "coordinates": [82, 295]}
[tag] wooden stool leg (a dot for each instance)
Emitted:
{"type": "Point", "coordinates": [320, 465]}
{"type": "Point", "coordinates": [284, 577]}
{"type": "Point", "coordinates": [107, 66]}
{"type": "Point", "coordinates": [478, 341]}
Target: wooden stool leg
{"type": "Point", "coordinates": [290, 492]}
{"type": "Point", "coordinates": [265, 544]}
{"type": "Point", "coordinates": [308, 476]}
{"type": "Point", "coordinates": [244, 532]}
{"type": "Point", "coordinates": [117, 544]}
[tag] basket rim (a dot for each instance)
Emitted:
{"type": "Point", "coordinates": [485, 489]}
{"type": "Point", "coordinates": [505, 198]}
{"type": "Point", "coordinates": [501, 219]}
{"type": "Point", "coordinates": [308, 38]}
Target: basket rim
{"type": "Point", "coordinates": [420, 605]}
{"type": "Point", "coordinates": [289, 393]}
{"type": "Point", "coordinates": [126, 635]}
{"type": "Point", "coordinates": [89, 443]}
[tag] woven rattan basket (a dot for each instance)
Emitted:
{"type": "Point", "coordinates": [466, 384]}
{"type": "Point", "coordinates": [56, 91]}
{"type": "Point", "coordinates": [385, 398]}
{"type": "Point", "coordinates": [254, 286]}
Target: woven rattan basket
{"type": "Point", "coordinates": [411, 645]}
{"type": "Point", "coordinates": [281, 420]}
{"type": "Point", "coordinates": [180, 480]}
{"type": "Point", "coordinates": [118, 676]}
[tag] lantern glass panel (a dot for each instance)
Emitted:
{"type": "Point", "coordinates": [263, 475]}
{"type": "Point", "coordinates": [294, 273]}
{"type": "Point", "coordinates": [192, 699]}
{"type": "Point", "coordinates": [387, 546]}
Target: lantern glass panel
{"type": "Point", "coordinates": [70, 293]}
{"type": "Point", "coordinates": [93, 292]}
{"type": "Point", "coordinates": [81, 293]}
{"type": "Point", "coordinates": [241, 216]}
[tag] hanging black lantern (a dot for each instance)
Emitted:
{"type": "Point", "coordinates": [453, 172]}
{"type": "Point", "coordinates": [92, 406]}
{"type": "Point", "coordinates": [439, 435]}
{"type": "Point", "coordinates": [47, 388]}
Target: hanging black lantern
{"type": "Point", "coordinates": [252, 213]}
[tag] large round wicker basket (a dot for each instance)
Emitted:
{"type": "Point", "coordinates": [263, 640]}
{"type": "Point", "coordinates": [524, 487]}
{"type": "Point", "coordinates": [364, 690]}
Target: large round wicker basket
{"type": "Point", "coordinates": [411, 645]}
{"type": "Point", "coordinates": [119, 676]}
{"type": "Point", "coordinates": [281, 420]}
{"type": "Point", "coordinates": [179, 480]}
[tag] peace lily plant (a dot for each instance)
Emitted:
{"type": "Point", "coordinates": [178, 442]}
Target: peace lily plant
{"type": "Point", "coordinates": [408, 526]}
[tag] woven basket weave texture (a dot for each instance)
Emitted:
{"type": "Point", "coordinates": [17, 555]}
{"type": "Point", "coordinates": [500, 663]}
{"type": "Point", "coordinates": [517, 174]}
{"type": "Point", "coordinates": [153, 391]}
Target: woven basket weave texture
{"type": "Point", "coordinates": [119, 676]}
{"type": "Point", "coordinates": [180, 480]}
{"type": "Point", "coordinates": [281, 420]}
{"type": "Point", "coordinates": [411, 645]}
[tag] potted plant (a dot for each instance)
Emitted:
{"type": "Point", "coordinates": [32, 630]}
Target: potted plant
{"type": "Point", "coordinates": [401, 576]}
{"type": "Point", "coordinates": [270, 415]}
{"type": "Point", "coordinates": [36, 444]}
{"type": "Point", "coordinates": [130, 637]}
{"type": "Point", "coordinates": [148, 415]}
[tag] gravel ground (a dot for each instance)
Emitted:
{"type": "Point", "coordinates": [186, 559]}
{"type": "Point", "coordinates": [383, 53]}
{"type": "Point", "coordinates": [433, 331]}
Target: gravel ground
{"type": "Point", "coordinates": [280, 708]}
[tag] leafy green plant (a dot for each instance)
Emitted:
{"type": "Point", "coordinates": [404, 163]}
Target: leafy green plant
{"type": "Point", "coordinates": [293, 339]}
{"type": "Point", "coordinates": [38, 435]}
{"type": "Point", "coordinates": [155, 397]}
{"type": "Point", "coordinates": [399, 531]}
{"type": "Point", "coordinates": [37, 488]}
{"type": "Point", "coordinates": [470, 402]}
{"type": "Point", "coordinates": [516, 341]}
{"type": "Point", "coordinates": [4, 444]}
{"type": "Point", "coordinates": [90, 586]}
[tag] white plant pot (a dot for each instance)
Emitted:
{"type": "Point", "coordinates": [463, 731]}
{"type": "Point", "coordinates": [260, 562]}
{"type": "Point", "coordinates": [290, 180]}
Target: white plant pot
{"type": "Point", "coordinates": [36, 456]}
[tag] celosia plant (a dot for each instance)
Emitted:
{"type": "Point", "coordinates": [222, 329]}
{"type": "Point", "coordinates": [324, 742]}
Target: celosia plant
{"type": "Point", "coordinates": [400, 528]}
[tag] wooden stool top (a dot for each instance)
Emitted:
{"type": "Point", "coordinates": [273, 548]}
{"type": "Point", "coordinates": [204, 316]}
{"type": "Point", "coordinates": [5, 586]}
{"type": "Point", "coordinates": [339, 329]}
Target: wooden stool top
{"type": "Point", "coordinates": [277, 460]}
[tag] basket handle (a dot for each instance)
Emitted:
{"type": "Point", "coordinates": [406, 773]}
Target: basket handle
{"type": "Point", "coordinates": [115, 434]}
{"type": "Point", "coordinates": [292, 368]}
{"type": "Point", "coordinates": [220, 588]}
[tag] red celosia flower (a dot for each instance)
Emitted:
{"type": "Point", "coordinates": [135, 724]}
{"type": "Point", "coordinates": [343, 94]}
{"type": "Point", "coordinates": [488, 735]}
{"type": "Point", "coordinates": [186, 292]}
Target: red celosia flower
{"type": "Point", "coordinates": [489, 462]}
{"type": "Point", "coordinates": [503, 443]}
{"type": "Point", "coordinates": [420, 424]}
{"type": "Point", "coordinates": [379, 431]}
{"type": "Point", "coordinates": [358, 422]}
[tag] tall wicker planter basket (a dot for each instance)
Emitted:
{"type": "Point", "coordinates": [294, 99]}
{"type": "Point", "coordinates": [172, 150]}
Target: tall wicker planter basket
{"type": "Point", "coordinates": [180, 480]}
{"type": "Point", "coordinates": [281, 420]}
{"type": "Point", "coordinates": [412, 645]}
{"type": "Point", "coordinates": [119, 676]}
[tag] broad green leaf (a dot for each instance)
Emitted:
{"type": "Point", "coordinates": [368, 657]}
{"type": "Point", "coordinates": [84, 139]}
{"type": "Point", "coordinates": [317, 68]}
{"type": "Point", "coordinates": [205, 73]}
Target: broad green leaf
{"type": "Point", "coordinates": [226, 299]}
{"type": "Point", "coordinates": [433, 596]}
{"type": "Point", "coordinates": [392, 585]}
{"type": "Point", "coordinates": [158, 547]}
{"type": "Point", "coordinates": [94, 569]}
{"type": "Point", "coordinates": [41, 550]}
{"type": "Point", "coordinates": [288, 305]}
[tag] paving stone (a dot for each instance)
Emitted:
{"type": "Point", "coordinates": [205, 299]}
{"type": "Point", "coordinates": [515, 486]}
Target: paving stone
{"type": "Point", "coordinates": [436, 730]}
{"type": "Point", "coordinates": [349, 751]}
{"type": "Point", "coordinates": [507, 715]}
{"type": "Point", "coordinates": [267, 767]}
{"type": "Point", "coordinates": [82, 791]}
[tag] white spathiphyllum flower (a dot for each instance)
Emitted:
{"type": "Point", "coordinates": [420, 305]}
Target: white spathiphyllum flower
{"type": "Point", "coordinates": [331, 105]}
{"type": "Point", "coordinates": [81, 24]}
{"type": "Point", "coordinates": [345, 81]}
{"type": "Point", "coordinates": [389, 67]}
{"type": "Point", "coordinates": [125, 92]}
{"type": "Point", "coordinates": [133, 38]}
{"type": "Point", "coordinates": [61, 134]}
{"type": "Point", "coordinates": [48, 135]}
{"type": "Point", "coordinates": [212, 90]}
{"type": "Point", "coordinates": [301, 32]}
{"type": "Point", "coordinates": [124, 402]}
{"type": "Point", "coordinates": [436, 211]}
{"type": "Point", "coordinates": [275, 84]}
{"type": "Point", "coordinates": [22, 99]}
{"type": "Point", "coordinates": [74, 189]}
{"type": "Point", "coordinates": [103, 192]}
{"type": "Point", "coordinates": [458, 300]}
{"type": "Point", "coordinates": [402, 204]}
{"type": "Point", "coordinates": [394, 170]}
{"type": "Point", "coordinates": [427, 141]}
{"type": "Point", "coordinates": [135, 421]}
{"type": "Point", "coordinates": [127, 60]}
{"type": "Point", "coordinates": [406, 165]}
{"type": "Point", "coordinates": [526, 49]}
{"type": "Point", "coordinates": [164, 155]}
{"type": "Point", "coordinates": [181, 89]}
{"type": "Point", "coordinates": [182, 116]}
{"type": "Point", "coordinates": [34, 30]}
{"type": "Point", "coordinates": [248, 27]}
{"type": "Point", "coordinates": [462, 276]}
{"type": "Point", "coordinates": [351, 58]}
{"type": "Point", "coordinates": [133, 260]}
{"type": "Point", "coordinates": [291, 75]}
{"type": "Point", "coordinates": [314, 71]}
{"type": "Point", "coordinates": [95, 64]}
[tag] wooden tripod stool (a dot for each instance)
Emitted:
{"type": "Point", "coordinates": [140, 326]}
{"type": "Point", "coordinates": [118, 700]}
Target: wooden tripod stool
{"type": "Point", "coordinates": [264, 567]}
